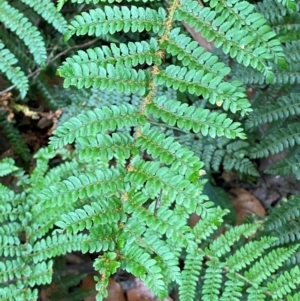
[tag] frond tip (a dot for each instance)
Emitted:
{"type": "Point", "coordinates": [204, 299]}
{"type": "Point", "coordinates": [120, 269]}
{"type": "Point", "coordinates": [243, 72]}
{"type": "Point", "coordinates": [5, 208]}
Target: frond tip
{"type": "Point", "coordinates": [14, 74]}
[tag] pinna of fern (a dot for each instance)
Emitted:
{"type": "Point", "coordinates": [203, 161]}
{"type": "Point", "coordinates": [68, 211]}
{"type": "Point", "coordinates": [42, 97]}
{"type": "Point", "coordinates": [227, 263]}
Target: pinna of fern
{"type": "Point", "coordinates": [14, 20]}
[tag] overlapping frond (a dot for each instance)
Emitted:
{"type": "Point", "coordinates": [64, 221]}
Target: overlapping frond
{"type": "Point", "coordinates": [48, 11]}
{"type": "Point", "coordinates": [234, 26]}
{"type": "Point", "coordinates": [26, 31]}
{"type": "Point", "coordinates": [14, 74]}
{"type": "Point", "coordinates": [276, 142]}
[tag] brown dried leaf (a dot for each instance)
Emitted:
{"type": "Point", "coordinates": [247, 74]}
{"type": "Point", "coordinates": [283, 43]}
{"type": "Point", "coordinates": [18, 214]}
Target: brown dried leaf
{"type": "Point", "coordinates": [245, 203]}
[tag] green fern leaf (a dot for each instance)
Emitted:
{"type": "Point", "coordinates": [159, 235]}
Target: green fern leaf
{"type": "Point", "coordinates": [48, 11]}
{"type": "Point", "coordinates": [26, 31]}
{"type": "Point", "coordinates": [193, 118]}
{"type": "Point", "coordinates": [92, 122]}
{"type": "Point", "coordinates": [113, 77]}
{"type": "Point", "coordinates": [268, 264]}
{"type": "Point", "coordinates": [129, 56]}
{"type": "Point", "coordinates": [7, 166]}
{"type": "Point", "coordinates": [276, 142]}
{"type": "Point", "coordinates": [14, 74]}
{"type": "Point", "coordinates": [284, 107]}
{"type": "Point", "coordinates": [110, 20]}
{"type": "Point", "coordinates": [245, 35]}
{"type": "Point", "coordinates": [196, 82]}
{"type": "Point", "coordinates": [285, 283]}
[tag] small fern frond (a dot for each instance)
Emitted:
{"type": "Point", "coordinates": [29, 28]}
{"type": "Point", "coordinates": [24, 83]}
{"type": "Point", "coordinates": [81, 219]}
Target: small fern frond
{"type": "Point", "coordinates": [47, 93]}
{"type": "Point", "coordinates": [55, 245]}
{"type": "Point", "coordinates": [18, 292]}
{"type": "Point", "coordinates": [291, 4]}
{"type": "Point", "coordinates": [85, 185]}
{"type": "Point", "coordinates": [48, 11]}
{"type": "Point", "coordinates": [129, 55]}
{"type": "Point", "coordinates": [269, 264]}
{"type": "Point", "coordinates": [242, 33]}
{"type": "Point", "coordinates": [110, 20]}
{"type": "Point", "coordinates": [248, 253]}
{"type": "Point", "coordinates": [192, 56]}
{"type": "Point", "coordinates": [190, 275]}
{"type": "Point", "coordinates": [168, 151]}
{"type": "Point", "coordinates": [284, 221]}
{"type": "Point", "coordinates": [15, 138]}
{"type": "Point", "coordinates": [111, 78]}
{"type": "Point", "coordinates": [86, 217]}
{"type": "Point", "coordinates": [145, 268]}
{"type": "Point", "coordinates": [7, 166]}
{"type": "Point", "coordinates": [290, 165]}
{"type": "Point", "coordinates": [192, 118]}
{"type": "Point", "coordinates": [174, 185]}
{"type": "Point", "coordinates": [205, 227]}
{"type": "Point", "coordinates": [194, 81]}
{"type": "Point", "coordinates": [284, 107]}
{"type": "Point", "coordinates": [276, 142]}
{"type": "Point", "coordinates": [284, 283]}
{"type": "Point", "coordinates": [14, 74]}
{"type": "Point", "coordinates": [107, 147]}
{"type": "Point", "coordinates": [92, 122]}
{"type": "Point", "coordinates": [222, 244]}
{"type": "Point", "coordinates": [26, 31]}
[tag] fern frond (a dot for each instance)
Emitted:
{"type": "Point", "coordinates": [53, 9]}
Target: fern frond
{"type": "Point", "coordinates": [287, 215]}
{"type": "Point", "coordinates": [285, 283]}
{"type": "Point", "coordinates": [268, 264]}
{"type": "Point", "coordinates": [155, 178]}
{"type": "Point", "coordinates": [129, 55]}
{"type": "Point", "coordinates": [190, 276]}
{"type": "Point", "coordinates": [248, 253]}
{"type": "Point", "coordinates": [222, 244]}
{"type": "Point", "coordinates": [113, 77]}
{"type": "Point", "coordinates": [48, 11]}
{"type": "Point", "coordinates": [276, 142]}
{"type": "Point", "coordinates": [86, 217]}
{"type": "Point", "coordinates": [168, 151]}
{"type": "Point", "coordinates": [145, 268]}
{"type": "Point", "coordinates": [225, 94]}
{"type": "Point", "coordinates": [85, 185]}
{"type": "Point", "coordinates": [164, 222]}
{"type": "Point", "coordinates": [284, 107]}
{"type": "Point", "coordinates": [7, 166]}
{"type": "Point", "coordinates": [92, 122]}
{"type": "Point", "coordinates": [14, 74]}
{"type": "Point", "coordinates": [110, 20]}
{"type": "Point", "coordinates": [193, 118]}
{"type": "Point", "coordinates": [47, 93]}
{"type": "Point", "coordinates": [55, 245]}
{"type": "Point", "coordinates": [15, 138]}
{"type": "Point", "coordinates": [291, 4]}
{"type": "Point", "coordinates": [18, 292]}
{"type": "Point", "coordinates": [106, 147]}
{"type": "Point", "coordinates": [241, 33]}
{"type": "Point", "coordinates": [205, 227]}
{"type": "Point", "coordinates": [26, 31]}
{"type": "Point", "coordinates": [193, 56]}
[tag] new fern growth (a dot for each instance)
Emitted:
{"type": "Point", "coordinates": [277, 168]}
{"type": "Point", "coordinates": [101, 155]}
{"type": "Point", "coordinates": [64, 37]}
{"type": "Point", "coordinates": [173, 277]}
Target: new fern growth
{"type": "Point", "coordinates": [129, 186]}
